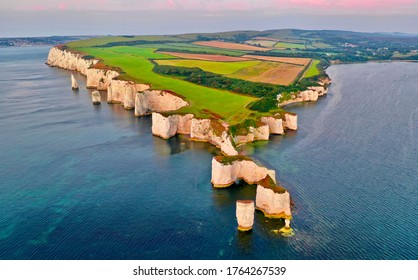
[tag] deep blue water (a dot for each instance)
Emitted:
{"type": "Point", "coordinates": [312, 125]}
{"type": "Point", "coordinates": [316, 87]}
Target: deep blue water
{"type": "Point", "coordinates": [90, 182]}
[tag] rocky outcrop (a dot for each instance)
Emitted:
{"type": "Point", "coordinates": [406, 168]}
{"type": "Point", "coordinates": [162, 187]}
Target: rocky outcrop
{"type": "Point", "coordinates": [245, 214]}
{"type": "Point", "coordinates": [168, 126]}
{"type": "Point", "coordinates": [184, 125]}
{"type": "Point", "coordinates": [214, 132]}
{"type": "Point", "coordinates": [272, 200]}
{"type": "Point", "coordinates": [74, 84]}
{"type": "Point", "coordinates": [69, 60]}
{"type": "Point", "coordinates": [95, 97]}
{"type": "Point", "coordinates": [310, 95]}
{"type": "Point", "coordinates": [290, 121]}
{"type": "Point", "coordinates": [150, 101]}
{"type": "Point", "coordinates": [275, 124]}
{"type": "Point", "coordinates": [124, 92]}
{"type": "Point", "coordinates": [227, 170]}
{"type": "Point", "coordinates": [100, 79]}
{"type": "Point", "coordinates": [164, 127]}
{"type": "Point", "coordinates": [261, 132]}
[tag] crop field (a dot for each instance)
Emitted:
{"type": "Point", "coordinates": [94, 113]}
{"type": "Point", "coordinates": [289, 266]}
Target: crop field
{"type": "Point", "coordinates": [291, 60]}
{"type": "Point", "coordinates": [269, 72]}
{"type": "Point", "coordinates": [312, 70]}
{"type": "Point", "coordinates": [289, 45]}
{"type": "Point", "coordinates": [188, 47]}
{"type": "Point", "coordinates": [262, 43]}
{"type": "Point", "coordinates": [222, 68]}
{"type": "Point", "coordinates": [209, 57]}
{"type": "Point", "coordinates": [203, 101]}
{"type": "Point", "coordinates": [231, 46]}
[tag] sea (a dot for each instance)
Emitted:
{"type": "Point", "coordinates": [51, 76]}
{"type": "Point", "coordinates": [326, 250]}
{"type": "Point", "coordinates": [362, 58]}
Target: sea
{"type": "Point", "coordinates": [79, 181]}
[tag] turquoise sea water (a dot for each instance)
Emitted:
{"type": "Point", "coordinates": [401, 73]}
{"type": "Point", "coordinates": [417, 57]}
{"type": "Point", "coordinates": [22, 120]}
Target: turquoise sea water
{"type": "Point", "coordinates": [90, 182]}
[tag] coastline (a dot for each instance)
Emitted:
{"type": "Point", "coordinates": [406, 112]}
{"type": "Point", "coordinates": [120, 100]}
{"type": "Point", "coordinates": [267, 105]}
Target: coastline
{"type": "Point", "coordinates": [166, 123]}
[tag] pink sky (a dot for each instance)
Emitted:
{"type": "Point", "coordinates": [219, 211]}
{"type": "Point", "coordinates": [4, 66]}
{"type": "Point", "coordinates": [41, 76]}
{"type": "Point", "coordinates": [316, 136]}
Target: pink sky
{"type": "Point", "coordinates": [343, 6]}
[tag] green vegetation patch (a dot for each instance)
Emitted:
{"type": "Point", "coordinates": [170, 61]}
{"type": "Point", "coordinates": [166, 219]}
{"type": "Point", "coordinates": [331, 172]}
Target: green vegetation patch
{"type": "Point", "coordinates": [228, 160]}
{"type": "Point", "coordinates": [243, 128]}
{"type": "Point", "coordinates": [285, 45]}
{"type": "Point", "coordinates": [312, 70]}
{"type": "Point", "coordinates": [222, 68]}
{"type": "Point", "coordinates": [204, 102]}
{"type": "Point", "coordinates": [270, 184]}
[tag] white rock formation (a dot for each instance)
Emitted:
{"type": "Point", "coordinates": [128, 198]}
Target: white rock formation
{"type": "Point", "coordinates": [275, 124]}
{"type": "Point", "coordinates": [57, 57]}
{"type": "Point", "coordinates": [225, 174]}
{"type": "Point", "coordinates": [214, 132]}
{"type": "Point", "coordinates": [99, 79]}
{"type": "Point", "coordinates": [274, 204]}
{"type": "Point", "coordinates": [254, 133]}
{"type": "Point", "coordinates": [290, 121]}
{"type": "Point", "coordinates": [184, 124]}
{"type": "Point", "coordinates": [150, 101]}
{"type": "Point", "coordinates": [74, 84]}
{"type": "Point", "coordinates": [95, 97]}
{"type": "Point", "coordinates": [164, 127]}
{"type": "Point", "coordinates": [245, 214]}
{"type": "Point", "coordinates": [311, 94]}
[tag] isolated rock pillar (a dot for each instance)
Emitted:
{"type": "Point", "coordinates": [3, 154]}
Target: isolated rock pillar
{"type": "Point", "coordinates": [245, 214]}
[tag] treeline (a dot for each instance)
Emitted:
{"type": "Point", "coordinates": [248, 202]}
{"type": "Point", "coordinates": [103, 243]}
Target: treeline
{"type": "Point", "coordinates": [137, 42]}
{"type": "Point", "coordinates": [267, 92]}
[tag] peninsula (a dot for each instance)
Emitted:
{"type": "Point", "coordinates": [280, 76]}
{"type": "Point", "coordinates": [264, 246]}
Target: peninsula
{"type": "Point", "coordinates": [228, 89]}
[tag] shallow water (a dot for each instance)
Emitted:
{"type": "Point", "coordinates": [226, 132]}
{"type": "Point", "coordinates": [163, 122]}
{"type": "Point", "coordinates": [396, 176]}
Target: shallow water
{"type": "Point", "coordinates": [91, 182]}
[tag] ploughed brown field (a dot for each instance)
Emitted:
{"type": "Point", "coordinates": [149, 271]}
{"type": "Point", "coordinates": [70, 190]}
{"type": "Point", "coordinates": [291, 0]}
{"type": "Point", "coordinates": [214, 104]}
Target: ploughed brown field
{"type": "Point", "coordinates": [270, 72]}
{"type": "Point", "coordinates": [231, 46]}
{"type": "Point", "coordinates": [209, 57]}
{"type": "Point", "coordinates": [292, 60]}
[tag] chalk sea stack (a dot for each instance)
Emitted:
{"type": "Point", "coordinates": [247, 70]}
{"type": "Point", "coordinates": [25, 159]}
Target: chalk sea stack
{"type": "Point", "coordinates": [74, 84]}
{"type": "Point", "coordinates": [95, 97]}
{"type": "Point", "coordinates": [245, 214]}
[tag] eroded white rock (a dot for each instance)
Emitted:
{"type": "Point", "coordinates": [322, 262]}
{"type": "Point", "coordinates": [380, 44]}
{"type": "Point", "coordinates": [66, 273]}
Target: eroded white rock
{"type": "Point", "coordinates": [245, 214]}
{"type": "Point", "coordinates": [275, 124]}
{"type": "Point", "coordinates": [95, 97]}
{"type": "Point", "coordinates": [227, 170]}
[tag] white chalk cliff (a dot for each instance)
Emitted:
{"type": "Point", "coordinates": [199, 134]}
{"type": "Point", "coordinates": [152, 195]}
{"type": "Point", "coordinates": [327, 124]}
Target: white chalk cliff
{"type": "Point", "coordinates": [310, 95]}
{"type": "Point", "coordinates": [227, 170]}
{"type": "Point", "coordinates": [68, 60]}
{"type": "Point", "coordinates": [245, 214]}
{"type": "Point", "coordinates": [150, 101]}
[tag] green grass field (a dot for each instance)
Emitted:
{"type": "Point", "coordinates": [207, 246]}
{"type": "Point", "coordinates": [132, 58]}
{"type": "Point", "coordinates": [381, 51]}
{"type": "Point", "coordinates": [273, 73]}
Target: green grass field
{"type": "Point", "coordinates": [99, 41]}
{"type": "Point", "coordinates": [312, 70]}
{"type": "Point", "coordinates": [222, 68]}
{"type": "Point", "coordinates": [203, 100]}
{"type": "Point", "coordinates": [184, 47]}
{"type": "Point", "coordinates": [289, 45]}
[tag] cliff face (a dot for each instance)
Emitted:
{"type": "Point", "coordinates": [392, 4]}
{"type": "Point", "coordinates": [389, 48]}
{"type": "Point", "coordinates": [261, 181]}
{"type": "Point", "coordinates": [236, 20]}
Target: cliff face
{"type": "Point", "coordinates": [225, 174]}
{"type": "Point", "coordinates": [69, 60]}
{"type": "Point", "coordinates": [214, 132]}
{"type": "Point", "coordinates": [275, 124]}
{"type": "Point", "coordinates": [291, 121]}
{"type": "Point", "coordinates": [164, 127]}
{"type": "Point", "coordinates": [310, 95]}
{"type": "Point", "coordinates": [199, 129]}
{"type": "Point", "coordinates": [273, 204]}
{"type": "Point", "coordinates": [245, 214]}
{"type": "Point", "coordinates": [124, 92]}
{"type": "Point", "coordinates": [100, 79]}
{"type": "Point", "coordinates": [254, 134]}
{"type": "Point", "coordinates": [150, 101]}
